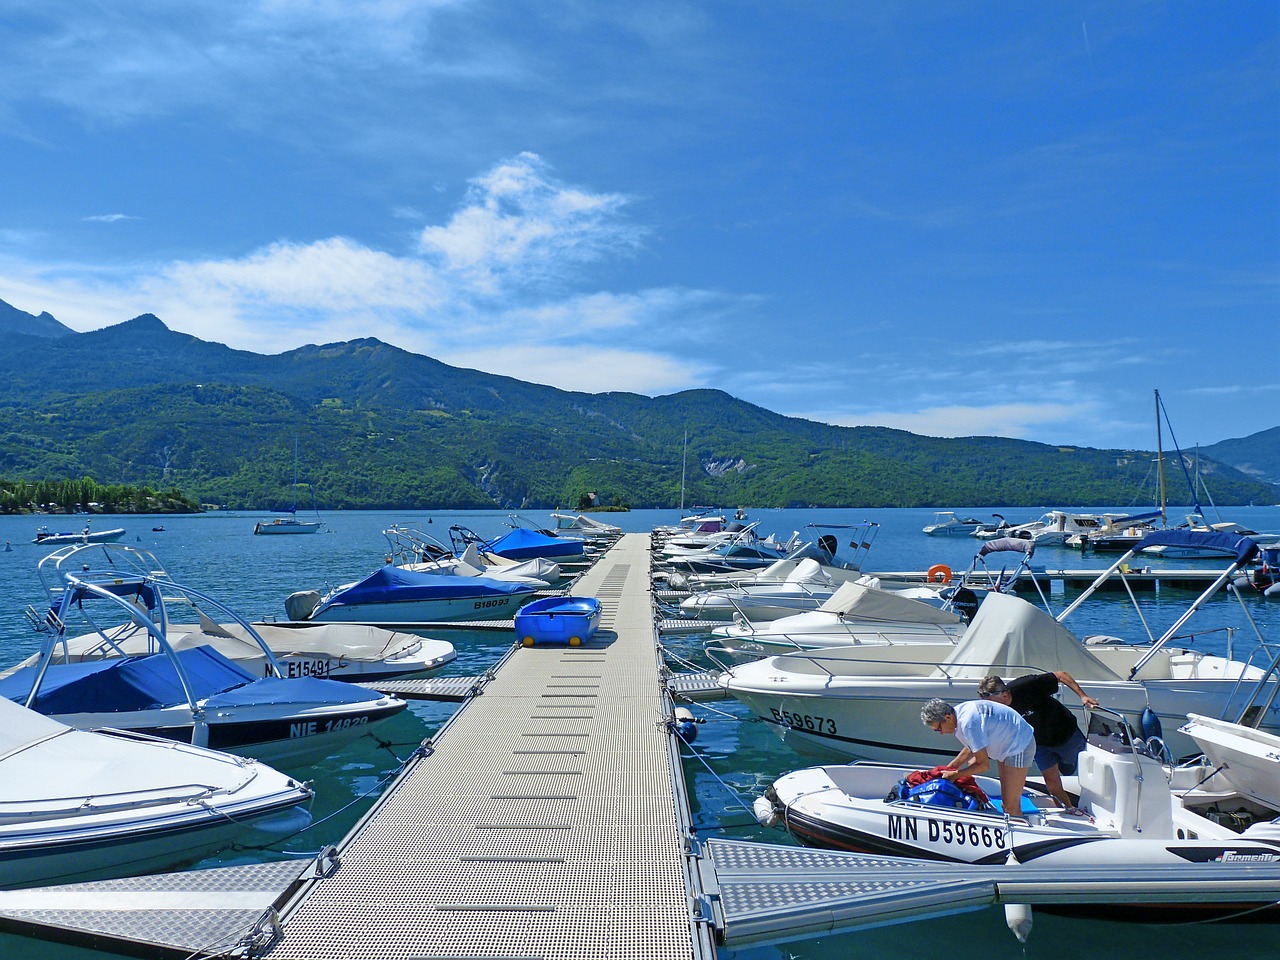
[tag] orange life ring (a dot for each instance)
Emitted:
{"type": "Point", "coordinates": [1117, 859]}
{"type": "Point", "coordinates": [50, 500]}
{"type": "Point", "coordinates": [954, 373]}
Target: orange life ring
{"type": "Point", "coordinates": [939, 573]}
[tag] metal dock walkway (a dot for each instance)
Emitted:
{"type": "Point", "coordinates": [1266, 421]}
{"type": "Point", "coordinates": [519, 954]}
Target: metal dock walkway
{"type": "Point", "coordinates": [542, 822]}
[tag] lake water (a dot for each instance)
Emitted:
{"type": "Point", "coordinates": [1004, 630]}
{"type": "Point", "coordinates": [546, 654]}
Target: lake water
{"type": "Point", "coordinates": [733, 758]}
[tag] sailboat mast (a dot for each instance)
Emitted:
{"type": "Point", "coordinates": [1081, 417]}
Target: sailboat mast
{"type": "Point", "coordinates": [684, 459]}
{"type": "Point", "coordinates": [1160, 461]}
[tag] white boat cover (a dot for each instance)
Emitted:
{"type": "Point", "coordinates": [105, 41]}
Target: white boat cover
{"type": "Point", "coordinates": [356, 641]}
{"type": "Point", "coordinates": [20, 727]}
{"type": "Point", "coordinates": [807, 571]}
{"type": "Point", "coordinates": [857, 601]}
{"type": "Point", "coordinates": [1010, 637]}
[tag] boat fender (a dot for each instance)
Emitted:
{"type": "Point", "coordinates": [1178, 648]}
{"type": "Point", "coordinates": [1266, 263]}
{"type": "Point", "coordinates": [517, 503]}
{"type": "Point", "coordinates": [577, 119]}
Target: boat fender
{"type": "Point", "coordinates": [1273, 590]}
{"type": "Point", "coordinates": [765, 812]}
{"type": "Point", "coordinates": [939, 573]}
{"type": "Point", "coordinates": [1017, 917]}
{"type": "Point", "coordinates": [685, 724]}
{"type": "Point", "coordinates": [1150, 724]}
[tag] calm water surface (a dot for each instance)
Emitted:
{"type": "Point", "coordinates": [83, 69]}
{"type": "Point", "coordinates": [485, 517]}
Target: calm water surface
{"type": "Point", "coordinates": [733, 758]}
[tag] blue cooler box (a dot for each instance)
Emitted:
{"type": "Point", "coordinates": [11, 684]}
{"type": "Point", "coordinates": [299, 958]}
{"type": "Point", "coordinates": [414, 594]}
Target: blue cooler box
{"type": "Point", "coordinates": [571, 620]}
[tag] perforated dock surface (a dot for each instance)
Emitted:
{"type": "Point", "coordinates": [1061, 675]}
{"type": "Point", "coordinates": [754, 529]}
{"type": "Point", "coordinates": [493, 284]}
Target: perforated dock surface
{"type": "Point", "coordinates": [543, 824]}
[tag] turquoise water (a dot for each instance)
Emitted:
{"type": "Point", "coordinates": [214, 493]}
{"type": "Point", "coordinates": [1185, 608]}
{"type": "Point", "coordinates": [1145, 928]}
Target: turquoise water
{"type": "Point", "coordinates": [733, 758]}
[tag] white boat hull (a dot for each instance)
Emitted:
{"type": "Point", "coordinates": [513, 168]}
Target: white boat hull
{"type": "Point", "coordinates": [849, 808]}
{"type": "Point", "coordinates": [89, 805]}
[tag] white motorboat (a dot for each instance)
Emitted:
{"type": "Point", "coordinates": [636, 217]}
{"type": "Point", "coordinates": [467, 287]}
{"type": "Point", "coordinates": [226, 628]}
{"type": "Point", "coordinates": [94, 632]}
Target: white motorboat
{"type": "Point", "coordinates": [195, 695]}
{"type": "Point", "coordinates": [1133, 810]}
{"type": "Point", "coordinates": [80, 805]}
{"type": "Point", "coordinates": [48, 538]}
{"type": "Point", "coordinates": [840, 561]}
{"type": "Point", "coordinates": [1055, 527]}
{"type": "Point", "coordinates": [947, 524]}
{"type": "Point", "coordinates": [411, 548]}
{"type": "Point", "coordinates": [1246, 757]}
{"type": "Point", "coordinates": [862, 612]}
{"type": "Point", "coordinates": [392, 596]}
{"type": "Point", "coordinates": [1197, 522]}
{"type": "Point", "coordinates": [354, 652]}
{"type": "Point", "coordinates": [805, 586]}
{"type": "Point", "coordinates": [855, 614]}
{"type": "Point", "coordinates": [588, 528]}
{"type": "Point", "coordinates": [846, 702]}
{"type": "Point", "coordinates": [1249, 759]}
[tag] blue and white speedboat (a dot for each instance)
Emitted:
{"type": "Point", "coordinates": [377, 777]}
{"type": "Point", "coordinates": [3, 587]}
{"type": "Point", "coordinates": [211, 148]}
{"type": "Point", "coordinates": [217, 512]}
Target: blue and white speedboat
{"type": "Point", "coordinates": [194, 695]}
{"type": "Point", "coordinates": [394, 596]}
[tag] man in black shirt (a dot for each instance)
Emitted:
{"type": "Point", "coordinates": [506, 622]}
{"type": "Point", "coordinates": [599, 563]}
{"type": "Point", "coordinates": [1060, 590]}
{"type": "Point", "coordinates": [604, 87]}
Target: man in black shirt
{"type": "Point", "coordinates": [1058, 737]}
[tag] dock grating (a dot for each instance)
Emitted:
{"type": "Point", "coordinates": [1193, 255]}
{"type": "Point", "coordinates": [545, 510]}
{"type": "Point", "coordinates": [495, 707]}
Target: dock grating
{"type": "Point", "coordinates": [541, 823]}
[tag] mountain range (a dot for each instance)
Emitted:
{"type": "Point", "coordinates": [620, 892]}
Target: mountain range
{"type": "Point", "coordinates": [379, 427]}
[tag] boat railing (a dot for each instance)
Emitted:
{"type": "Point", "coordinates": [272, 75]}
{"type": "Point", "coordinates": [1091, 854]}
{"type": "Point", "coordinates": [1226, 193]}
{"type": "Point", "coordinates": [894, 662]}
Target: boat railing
{"type": "Point", "coordinates": [726, 655]}
{"type": "Point", "coordinates": [411, 544]}
{"type": "Point", "coordinates": [131, 582]}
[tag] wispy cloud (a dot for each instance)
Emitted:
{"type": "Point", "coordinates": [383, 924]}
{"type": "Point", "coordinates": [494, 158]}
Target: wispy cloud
{"type": "Point", "coordinates": [110, 218]}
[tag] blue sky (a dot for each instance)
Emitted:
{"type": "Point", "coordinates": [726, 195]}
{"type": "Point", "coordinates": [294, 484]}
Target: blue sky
{"type": "Point", "coordinates": [1007, 218]}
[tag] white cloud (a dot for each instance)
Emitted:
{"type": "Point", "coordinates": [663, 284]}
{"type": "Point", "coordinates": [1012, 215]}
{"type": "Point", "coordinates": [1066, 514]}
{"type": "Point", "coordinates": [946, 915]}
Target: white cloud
{"type": "Point", "coordinates": [521, 226]}
{"type": "Point", "coordinates": [585, 368]}
{"type": "Point", "coordinates": [331, 275]}
{"type": "Point", "coordinates": [110, 218]}
{"type": "Point", "coordinates": [1023, 420]}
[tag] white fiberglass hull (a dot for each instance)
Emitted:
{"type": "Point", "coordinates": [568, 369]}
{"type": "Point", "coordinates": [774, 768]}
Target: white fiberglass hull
{"type": "Point", "coordinates": [878, 717]}
{"type": "Point", "coordinates": [845, 808]}
{"type": "Point", "coordinates": [356, 653]}
{"type": "Point", "coordinates": [90, 805]}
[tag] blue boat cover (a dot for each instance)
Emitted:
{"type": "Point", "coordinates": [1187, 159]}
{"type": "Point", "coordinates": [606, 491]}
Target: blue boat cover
{"type": "Point", "coordinates": [295, 690]}
{"type": "Point", "coordinates": [125, 684]}
{"type": "Point", "coordinates": [390, 584]}
{"type": "Point", "coordinates": [1243, 548]}
{"type": "Point", "coordinates": [525, 544]}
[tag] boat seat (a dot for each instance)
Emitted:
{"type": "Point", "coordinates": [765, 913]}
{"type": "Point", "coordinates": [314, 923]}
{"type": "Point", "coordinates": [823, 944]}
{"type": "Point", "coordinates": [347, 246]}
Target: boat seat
{"type": "Point", "coordinates": [1125, 793]}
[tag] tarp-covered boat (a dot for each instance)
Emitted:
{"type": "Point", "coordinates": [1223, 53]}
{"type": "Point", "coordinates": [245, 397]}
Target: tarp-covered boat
{"type": "Point", "coordinates": [393, 595]}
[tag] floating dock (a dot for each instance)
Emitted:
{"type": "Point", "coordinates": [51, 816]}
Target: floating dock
{"type": "Point", "coordinates": [549, 818]}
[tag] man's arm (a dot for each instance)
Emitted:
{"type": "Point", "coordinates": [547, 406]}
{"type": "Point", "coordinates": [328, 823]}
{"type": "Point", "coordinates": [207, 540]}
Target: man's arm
{"type": "Point", "coordinates": [1068, 681]}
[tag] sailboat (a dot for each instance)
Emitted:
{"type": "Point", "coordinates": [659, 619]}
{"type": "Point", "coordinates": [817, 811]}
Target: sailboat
{"type": "Point", "coordinates": [290, 524]}
{"type": "Point", "coordinates": [1196, 520]}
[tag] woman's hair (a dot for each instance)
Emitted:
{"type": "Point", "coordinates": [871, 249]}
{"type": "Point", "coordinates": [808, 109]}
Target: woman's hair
{"type": "Point", "coordinates": [935, 711]}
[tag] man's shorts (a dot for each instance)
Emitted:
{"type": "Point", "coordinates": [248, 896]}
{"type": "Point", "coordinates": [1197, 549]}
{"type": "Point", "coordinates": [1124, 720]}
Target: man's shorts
{"type": "Point", "coordinates": [1022, 759]}
{"type": "Point", "coordinates": [1065, 756]}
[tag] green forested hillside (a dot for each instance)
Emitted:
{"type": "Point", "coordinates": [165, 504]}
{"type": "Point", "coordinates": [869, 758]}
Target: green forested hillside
{"type": "Point", "coordinates": [378, 427]}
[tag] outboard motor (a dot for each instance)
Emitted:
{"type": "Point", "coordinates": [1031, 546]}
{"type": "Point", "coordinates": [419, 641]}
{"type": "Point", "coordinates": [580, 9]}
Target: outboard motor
{"type": "Point", "coordinates": [965, 602]}
{"type": "Point", "coordinates": [300, 605]}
